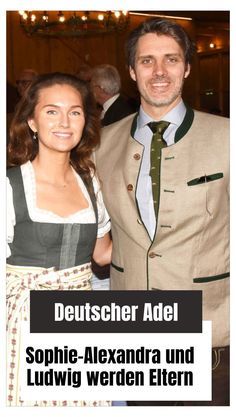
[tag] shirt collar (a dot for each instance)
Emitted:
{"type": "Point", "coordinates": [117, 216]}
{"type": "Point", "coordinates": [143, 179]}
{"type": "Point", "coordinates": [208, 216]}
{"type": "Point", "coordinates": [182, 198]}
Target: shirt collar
{"type": "Point", "coordinates": [174, 116]}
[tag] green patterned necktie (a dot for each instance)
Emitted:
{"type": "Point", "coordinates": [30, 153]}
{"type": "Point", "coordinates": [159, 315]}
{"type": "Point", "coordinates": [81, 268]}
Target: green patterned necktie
{"type": "Point", "coordinates": [158, 129]}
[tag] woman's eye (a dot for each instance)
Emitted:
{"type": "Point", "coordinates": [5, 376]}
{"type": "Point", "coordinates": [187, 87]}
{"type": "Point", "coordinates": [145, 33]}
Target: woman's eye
{"type": "Point", "coordinates": [75, 113]}
{"type": "Point", "coordinates": [51, 112]}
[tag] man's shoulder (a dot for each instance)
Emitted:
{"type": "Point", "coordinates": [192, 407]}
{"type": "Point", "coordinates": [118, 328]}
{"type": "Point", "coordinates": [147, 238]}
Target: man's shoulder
{"type": "Point", "coordinates": [115, 136]}
{"type": "Point", "coordinates": [212, 119]}
{"type": "Point", "coordinates": [210, 129]}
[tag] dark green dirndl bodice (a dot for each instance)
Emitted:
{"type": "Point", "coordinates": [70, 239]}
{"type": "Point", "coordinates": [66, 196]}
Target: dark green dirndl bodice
{"type": "Point", "coordinates": [48, 244]}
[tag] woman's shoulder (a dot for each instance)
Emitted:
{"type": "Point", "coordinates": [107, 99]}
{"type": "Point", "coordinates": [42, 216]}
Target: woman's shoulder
{"type": "Point", "coordinates": [15, 172]}
{"type": "Point", "coordinates": [96, 184]}
{"type": "Point", "coordinates": [93, 179]}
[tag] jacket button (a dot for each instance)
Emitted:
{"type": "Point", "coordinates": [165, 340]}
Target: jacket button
{"type": "Point", "coordinates": [130, 187]}
{"type": "Point", "coordinates": [152, 255]}
{"type": "Point", "coordinates": [137, 156]}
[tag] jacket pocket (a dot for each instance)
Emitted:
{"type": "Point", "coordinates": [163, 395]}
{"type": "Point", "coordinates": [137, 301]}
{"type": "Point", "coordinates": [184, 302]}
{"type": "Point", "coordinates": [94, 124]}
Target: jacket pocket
{"type": "Point", "coordinates": [205, 178]}
{"type": "Point", "coordinates": [211, 278]}
{"type": "Point", "coordinates": [118, 268]}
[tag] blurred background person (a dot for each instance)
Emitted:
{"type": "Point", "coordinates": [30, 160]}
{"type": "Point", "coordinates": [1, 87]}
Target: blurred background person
{"type": "Point", "coordinates": [84, 73]}
{"type": "Point", "coordinates": [15, 93]}
{"type": "Point", "coordinates": [106, 86]}
{"type": "Point", "coordinates": [24, 80]}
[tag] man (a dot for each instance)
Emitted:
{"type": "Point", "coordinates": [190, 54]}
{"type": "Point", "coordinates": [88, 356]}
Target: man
{"type": "Point", "coordinates": [15, 93]}
{"type": "Point", "coordinates": [170, 230]}
{"type": "Point", "coordinates": [25, 78]}
{"type": "Point", "coordinates": [106, 85]}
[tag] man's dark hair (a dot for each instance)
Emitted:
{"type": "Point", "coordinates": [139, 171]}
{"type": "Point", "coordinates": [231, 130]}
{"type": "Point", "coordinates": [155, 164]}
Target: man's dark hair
{"type": "Point", "coordinates": [160, 27]}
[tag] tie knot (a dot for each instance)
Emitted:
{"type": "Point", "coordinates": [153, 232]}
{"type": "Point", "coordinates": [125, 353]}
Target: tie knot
{"type": "Point", "coordinates": [158, 127]}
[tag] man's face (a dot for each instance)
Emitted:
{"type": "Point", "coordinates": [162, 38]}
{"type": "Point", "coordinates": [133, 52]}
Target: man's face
{"type": "Point", "coordinates": [25, 79]}
{"type": "Point", "coordinates": [98, 93]}
{"type": "Point", "coordinates": [159, 71]}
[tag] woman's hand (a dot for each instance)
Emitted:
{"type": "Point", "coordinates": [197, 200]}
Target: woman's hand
{"type": "Point", "coordinates": [103, 249]}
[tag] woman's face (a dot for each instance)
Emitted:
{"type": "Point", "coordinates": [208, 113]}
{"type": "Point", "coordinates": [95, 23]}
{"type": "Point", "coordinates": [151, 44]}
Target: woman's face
{"type": "Point", "coordinates": [58, 118]}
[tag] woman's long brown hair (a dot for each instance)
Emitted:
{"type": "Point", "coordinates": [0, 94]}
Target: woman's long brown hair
{"type": "Point", "coordinates": [22, 147]}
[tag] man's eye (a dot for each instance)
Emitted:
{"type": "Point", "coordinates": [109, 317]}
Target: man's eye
{"type": "Point", "coordinates": [147, 61]}
{"type": "Point", "coordinates": [172, 60]}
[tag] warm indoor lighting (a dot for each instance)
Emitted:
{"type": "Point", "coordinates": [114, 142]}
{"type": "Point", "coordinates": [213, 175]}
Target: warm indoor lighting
{"type": "Point", "coordinates": [45, 17]}
{"type": "Point", "coordinates": [61, 17]}
{"type": "Point", "coordinates": [212, 45]}
{"type": "Point", "coordinates": [25, 16]}
{"type": "Point", "coordinates": [74, 24]}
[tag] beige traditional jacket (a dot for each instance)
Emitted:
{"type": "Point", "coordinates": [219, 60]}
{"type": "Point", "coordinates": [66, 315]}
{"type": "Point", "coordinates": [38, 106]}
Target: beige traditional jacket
{"type": "Point", "coordinates": [190, 250]}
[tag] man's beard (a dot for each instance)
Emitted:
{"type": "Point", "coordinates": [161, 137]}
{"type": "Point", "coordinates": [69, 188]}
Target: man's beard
{"type": "Point", "coordinates": [165, 101]}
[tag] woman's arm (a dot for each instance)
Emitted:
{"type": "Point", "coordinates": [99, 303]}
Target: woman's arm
{"type": "Point", "coordinates": [102, 250]}
{"type": "Point", "coordinates": [11, 220]}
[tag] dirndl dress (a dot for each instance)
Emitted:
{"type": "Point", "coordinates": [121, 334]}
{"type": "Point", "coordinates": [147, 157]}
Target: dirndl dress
{"type": "Point", "coordinates": [44, 256]}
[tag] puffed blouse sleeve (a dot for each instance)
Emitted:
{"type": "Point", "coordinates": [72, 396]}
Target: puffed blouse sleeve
{"type": "Point", "coordinates": [104, 224]}
{"type": "Point", "coordinates": [11, 219]}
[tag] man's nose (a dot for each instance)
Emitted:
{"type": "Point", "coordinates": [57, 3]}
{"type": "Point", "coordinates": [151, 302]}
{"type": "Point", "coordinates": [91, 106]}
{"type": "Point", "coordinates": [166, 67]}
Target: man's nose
{"type": "Point", "coordinates": [159, 68]}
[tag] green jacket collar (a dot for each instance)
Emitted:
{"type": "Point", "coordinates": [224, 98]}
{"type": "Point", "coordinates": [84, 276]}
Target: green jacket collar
{"type": "Point", "coordinates": [182, 129]}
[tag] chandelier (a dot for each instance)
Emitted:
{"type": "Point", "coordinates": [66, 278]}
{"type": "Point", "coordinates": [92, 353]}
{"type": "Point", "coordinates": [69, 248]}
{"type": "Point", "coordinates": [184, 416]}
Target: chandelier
{"type": "Point", "coordinates": [72, 24]}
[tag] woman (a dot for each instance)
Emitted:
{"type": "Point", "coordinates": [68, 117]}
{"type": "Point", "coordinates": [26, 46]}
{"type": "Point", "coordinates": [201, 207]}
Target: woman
{"type": "Point", "coordinates": [56, 217]}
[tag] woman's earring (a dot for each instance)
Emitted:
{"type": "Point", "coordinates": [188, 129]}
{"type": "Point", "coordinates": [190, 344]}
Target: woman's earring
{"type": "Point", "coordinates": [35, 136]}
